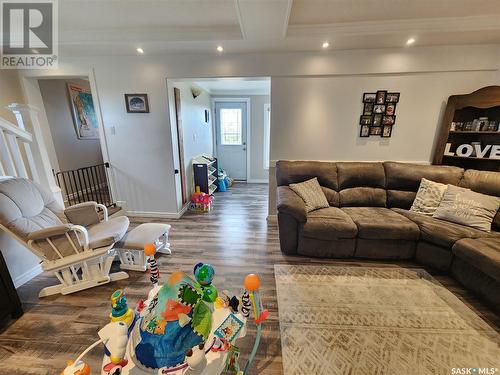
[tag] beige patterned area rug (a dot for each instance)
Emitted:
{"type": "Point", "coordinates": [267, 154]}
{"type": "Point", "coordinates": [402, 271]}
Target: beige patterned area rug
{"type": "Point", "coordinates": [360, 320]}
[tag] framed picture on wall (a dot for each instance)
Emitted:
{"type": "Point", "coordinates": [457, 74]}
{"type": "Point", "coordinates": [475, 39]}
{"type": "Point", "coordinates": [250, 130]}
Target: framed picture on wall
{"type": "Point", "coordinates": [368, 109]}
{"type": "Point", "coordinates": [390, 109]}
{"type": "Point", "coordinates": [388, 120]}
{"type": "Point", "coordinates": [377, 120]}
{"type": "Point", "coordinates": [365, 131]}
{"type": "Point", "coordinates": [137, 103]}
{"type": "Point", "coordinates": [82, 109]}
{"type": "Point", "coordinates": [392, 97]}
{"type": "Point", "coordinates": [381, 97]}
{"type": "Point", "coordinates": [375, 130]}
{"type": "Point", "coordinates": [369, 97]}
{"type": "Point", "coordinates": [379, 108]}
{"type": "Point", "coordinates": [365, 120]}
{"type": "Point", "coordinates": [386, 131]}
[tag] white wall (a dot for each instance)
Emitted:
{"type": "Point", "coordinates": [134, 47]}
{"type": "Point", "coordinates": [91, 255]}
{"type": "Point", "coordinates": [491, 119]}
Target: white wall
{"type": "Point", "coordinates": [197, 134]}
{"type": "Point", "coordinates": [22, 264]}
{"type": "Point", "coordinates": [257, 171]}
{"type": "Point", "coordinates": [304, 108]}
{"type": "Point", "coordinates": [72, 153]}
{"type": "Point", "coordinates": [141, 151]}
{"type": "Point", "coordinates": [10, 92]}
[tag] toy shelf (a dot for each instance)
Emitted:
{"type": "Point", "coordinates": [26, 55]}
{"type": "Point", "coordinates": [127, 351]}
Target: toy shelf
{"type": "Point", "coordinates": [205, 173]}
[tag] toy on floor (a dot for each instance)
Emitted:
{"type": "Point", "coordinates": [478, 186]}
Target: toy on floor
{"type": "Point", "coordinates": [184, 327]}
{"type": "Point", "coordinates": [201, 202]}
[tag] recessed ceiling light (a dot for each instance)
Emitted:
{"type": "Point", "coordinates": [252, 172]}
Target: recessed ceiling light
{"type": "Point", "coordinates": [410, 41]}
{"type": "Point", "coordinates": [220, 49]}
{"type": "Point", "coordinates": [325, 45]}
{"type": "Point", "coordinates": [140, 50]}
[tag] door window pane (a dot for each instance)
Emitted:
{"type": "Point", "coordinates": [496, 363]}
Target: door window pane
{"type": "Point", "coordinates": [230, 126]}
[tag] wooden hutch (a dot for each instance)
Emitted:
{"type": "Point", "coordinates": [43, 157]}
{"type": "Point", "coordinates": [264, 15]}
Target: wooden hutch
{"type": "Point", "coordinates": [470, 130]}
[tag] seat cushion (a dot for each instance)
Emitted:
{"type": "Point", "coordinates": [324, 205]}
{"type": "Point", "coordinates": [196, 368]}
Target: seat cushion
{"type": "Point", "coordinates": [440, 232]}
{"type": "Point", "coordinates": [482, 253]}
{"type": "Point", "coordinates": [108, 232]}
{"type": "Point", "coordinates": [143, 234]}
{"type": "Point", "coordinates": [382, 223]}
{"type": "Point", "coordinates": [328, 224]}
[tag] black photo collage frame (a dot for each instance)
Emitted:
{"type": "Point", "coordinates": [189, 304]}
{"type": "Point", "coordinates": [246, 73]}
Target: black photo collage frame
{"type": "Point", "coordinates": [379, 113]}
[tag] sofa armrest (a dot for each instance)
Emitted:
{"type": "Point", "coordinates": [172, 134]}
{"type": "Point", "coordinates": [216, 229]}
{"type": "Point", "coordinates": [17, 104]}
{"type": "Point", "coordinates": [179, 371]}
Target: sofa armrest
{"type": "Point", "coordinates": [288, 202]}
{"type": "Point", "coordinates": [84, 214]}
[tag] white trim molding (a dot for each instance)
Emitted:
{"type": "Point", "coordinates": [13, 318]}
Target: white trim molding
{"type": "Point", "coordinates": [27, 276]}
{"type": "Point", "coordinates": [160, 215]}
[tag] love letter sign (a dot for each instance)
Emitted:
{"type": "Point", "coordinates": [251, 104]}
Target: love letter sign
{"type": "Point", "coordinates": [466, 151]}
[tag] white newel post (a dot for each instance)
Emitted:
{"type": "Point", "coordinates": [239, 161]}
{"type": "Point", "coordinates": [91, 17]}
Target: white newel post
{"type": "Point", "coordinates": [36, 152]}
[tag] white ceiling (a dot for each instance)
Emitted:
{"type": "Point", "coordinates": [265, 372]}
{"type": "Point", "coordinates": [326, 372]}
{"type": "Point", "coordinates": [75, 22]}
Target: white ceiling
{"type": "Point", "coordinates": [235, 86]}
{"type": "Point", "coordinates": [160, 26]}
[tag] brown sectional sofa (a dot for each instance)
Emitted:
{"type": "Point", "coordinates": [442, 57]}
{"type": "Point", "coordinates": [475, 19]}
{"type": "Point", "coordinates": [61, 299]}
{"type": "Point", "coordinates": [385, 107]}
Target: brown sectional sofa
{"type": "Point", "coordinates": [369, 218]}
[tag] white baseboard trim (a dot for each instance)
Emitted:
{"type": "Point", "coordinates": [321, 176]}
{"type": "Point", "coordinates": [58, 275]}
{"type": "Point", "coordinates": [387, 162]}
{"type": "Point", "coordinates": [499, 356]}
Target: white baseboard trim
{"type": "Point", "coordinates": [160, 215]}
{"type": "Point", "coordinates": [27, 276]}
{"type": "Point", "coordinates": [258, 181]}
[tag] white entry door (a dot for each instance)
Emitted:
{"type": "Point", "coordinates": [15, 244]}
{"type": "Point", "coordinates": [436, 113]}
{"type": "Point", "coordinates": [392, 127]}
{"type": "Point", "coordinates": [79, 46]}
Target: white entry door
{"type": "Point", "coordinates": [231, 129]}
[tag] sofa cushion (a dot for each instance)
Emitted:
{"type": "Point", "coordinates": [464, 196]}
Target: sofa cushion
{"type": "Point", "coordinates": [429, 196]}
{"type": "Point", "coordinates": [466, 207]}
{"type": "Point", "coordinates": [291, 172]}
{"type": "Point", "coordinates": [482, 253]}
{"type": "Point", "coordinates": [403, 180]}
{"type": "Point", "coordinates": [353, 175]}
{"type": "Point", "coordinates": [407, 177]}
{"type": "Point", "coordinates": [382, 223]}
{"type": "Point", "coordinates": [485, 182]}
{"type": "Point", "coordinates": [311, 193]}
{"type": "Point", "coordinates": [329, 224]}
{"type": "Point", "coordinates": [440, 232]}
{"type": "Point", "coordinates": [362, 197]}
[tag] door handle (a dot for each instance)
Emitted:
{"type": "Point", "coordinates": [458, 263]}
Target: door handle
{"type": "Point", "coordinates": [244, 148]}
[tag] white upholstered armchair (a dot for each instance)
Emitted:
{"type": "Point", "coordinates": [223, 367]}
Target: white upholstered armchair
{"type": "Point", "coordinates": [74, 243]}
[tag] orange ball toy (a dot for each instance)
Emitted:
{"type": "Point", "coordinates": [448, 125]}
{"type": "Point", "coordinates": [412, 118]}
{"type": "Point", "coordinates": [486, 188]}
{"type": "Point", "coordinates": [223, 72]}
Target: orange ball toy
{"type": "Point", "coordinates": [252, 282]}
{"type": "Point", "coordinates": [150, 249]}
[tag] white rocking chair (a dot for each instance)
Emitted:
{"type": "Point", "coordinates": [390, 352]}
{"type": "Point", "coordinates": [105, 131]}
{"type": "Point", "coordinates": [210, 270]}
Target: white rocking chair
{"type": "Point", "coordinates": [73, 243]}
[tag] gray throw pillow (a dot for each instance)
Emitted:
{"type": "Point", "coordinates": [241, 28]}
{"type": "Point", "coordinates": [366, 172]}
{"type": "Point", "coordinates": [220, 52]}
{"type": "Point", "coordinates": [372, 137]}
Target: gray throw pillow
{"type": "Point", "coordinates": [311, 193]}
{"type": "Point", "coordinates": [429, 196]}
{"type": "Point", "coordinates": [466, 207]}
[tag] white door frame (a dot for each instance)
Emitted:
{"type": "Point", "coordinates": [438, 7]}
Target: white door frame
{"type": "Point", "coordinates": [214, 127]}
{"type": "Point", "coordinates": [33, 95]}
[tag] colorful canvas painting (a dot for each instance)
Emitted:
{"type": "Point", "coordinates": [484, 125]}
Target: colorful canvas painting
{"type": "Point", "coordinates": [83, 111]}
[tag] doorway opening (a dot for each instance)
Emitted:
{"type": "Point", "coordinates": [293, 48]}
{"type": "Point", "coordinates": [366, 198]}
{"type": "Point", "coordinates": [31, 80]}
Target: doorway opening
{"type": "Point", "coordinates": [222, 119]}
{"type": "Point", "coordinates": [75, 154]}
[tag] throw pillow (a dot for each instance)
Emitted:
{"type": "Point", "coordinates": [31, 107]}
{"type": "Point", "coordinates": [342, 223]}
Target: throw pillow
{"type": "Point", "coordinates": [428, 197]}
{"type": "Point", "coordinates": [311, 193]}
{"type": "Point", "coordinates": [466, 207]}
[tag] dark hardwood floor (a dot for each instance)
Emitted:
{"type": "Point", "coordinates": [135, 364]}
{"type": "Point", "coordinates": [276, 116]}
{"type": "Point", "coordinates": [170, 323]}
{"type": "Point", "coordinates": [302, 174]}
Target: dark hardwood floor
{"type": "Point", "coordinates": [235, 238]}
